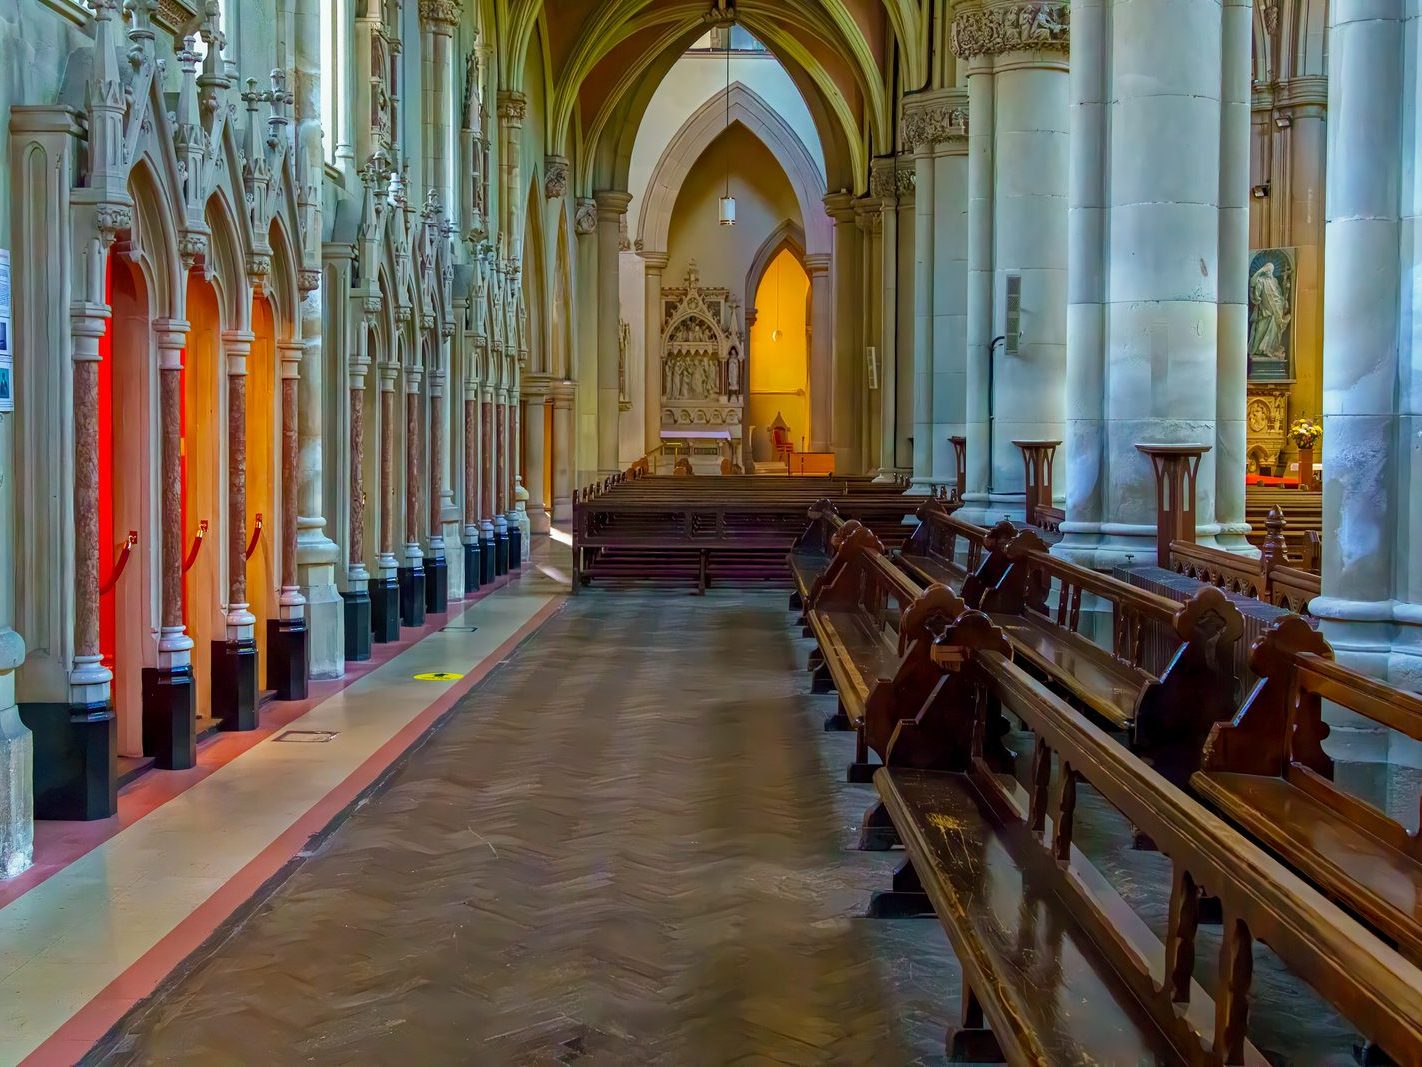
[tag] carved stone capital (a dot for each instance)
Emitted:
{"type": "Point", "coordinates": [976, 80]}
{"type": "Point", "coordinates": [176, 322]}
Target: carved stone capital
{"type": "Point", "coordinates": [308, 281]}
{"type": "Point", "coordinates": [439, 13]}
{"type": "Point", "coordinates": [1041, 25]}
{"type": "Point", "coordinates": [512, 106]}
{"type": "Point", "coordinates": [110, 220]}
{"type": "Point", "coordinates": [933, 121]}
{"type": "Point", "coordinates": [585, 219]}
{"type": "Point", "coordinates": [555, 177]}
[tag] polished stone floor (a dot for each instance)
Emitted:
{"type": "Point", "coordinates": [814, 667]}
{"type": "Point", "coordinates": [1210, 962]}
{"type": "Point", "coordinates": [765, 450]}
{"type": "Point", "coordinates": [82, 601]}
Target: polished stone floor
{"type": "Point", "coordinates": [632, 844]}
{"type": "Point", "coordinates": [627, 846]}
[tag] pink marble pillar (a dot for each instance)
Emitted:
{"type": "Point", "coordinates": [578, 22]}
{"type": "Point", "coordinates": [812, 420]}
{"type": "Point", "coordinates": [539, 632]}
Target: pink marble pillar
{"type": "Point", "coordinates": [487, 467]}
{"type": "Point", "coordinates": [501, 476]}
{"type": "Point", "coordinates": [387, 467]}
{"type": "Point", "coordinates": [471, 461]}
{"type": "Point", "coordinates": [238, 347]}
{"type": "Point", "coordinates": [436, 465]}
{"type": "Point", "coordinates": [412, 463]}
{"type": "Point", "coordinates": [86, 499]}
{"type": "Point", "coordinates": [515, 446]}
{"type": "Point", "coordinates": [356, 556]}
{"type": "Point", "coordinates": [170, 413]}
{"type": "Point", "coordinates": [290, 483]}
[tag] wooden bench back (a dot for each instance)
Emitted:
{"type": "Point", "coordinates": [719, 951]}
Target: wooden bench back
{"type": "Point", "coordinates": [1363, 978]}
{"type": "Point", "coordinates": [1279, 732]}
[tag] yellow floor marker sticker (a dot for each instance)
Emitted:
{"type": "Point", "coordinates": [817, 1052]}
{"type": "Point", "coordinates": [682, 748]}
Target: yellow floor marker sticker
{"type": "Point", "coordinates": [438, 676]}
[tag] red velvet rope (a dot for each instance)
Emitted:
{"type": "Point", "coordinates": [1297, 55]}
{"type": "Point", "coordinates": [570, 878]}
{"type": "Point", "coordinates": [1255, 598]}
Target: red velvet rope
{"type": "Point", "coordinates": [256, 536]}
{"type": "Point", "coordinates": [125, 550]}
{"type": "Point", "coordinates": [197, 547]}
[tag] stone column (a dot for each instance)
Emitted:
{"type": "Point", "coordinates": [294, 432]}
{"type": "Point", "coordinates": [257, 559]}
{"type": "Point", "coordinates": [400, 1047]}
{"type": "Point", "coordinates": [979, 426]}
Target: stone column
{"type": "Point", "coordinates": [848, 352]}
{"type": "Point", "coordinates": [234, 664]}
{"type": "Point", "coordinates": [534, 392]}
{"type": "Point", "coordinates": [1371, 610]}
{"type": "Point", "coordinates": [412, 569]}
{"type": "Point", "coordinates": [513, 107]}
{"type": "Point", "coordinates": [1018, 101]}
{"type": "Point", "coordinates": [438, 19]}
{"type": "Point", "coordinates": [169, 730]}
{"type": "Point", "coordinates": [1161, 232]}
{"type": "Point", "coordinates": [981, 327]}
{"type": "Point", "coordinates": [287, 646]}
{"type": "Point", "coordinates": [563, 468]}
{"type": "Point", "coordinates": [920, 137]}
{"type": "Point", "coordinates": [653, 264]}
{"type": "Point", "coordinates": [817, 266]}
{"type": "Point", "coordinates": [385, 588]}
{"type": "Point", "coordinates": [884, 185]}
{"type": "Point", "coordinates": [501, 452]}
{"type": "Point", "coordinates": [1231, 450]}
{"type": "Point", "coordinates": [611, 206]}
{"type": "Point", "coordinates": [486, 423]}
{"type": "Point", "coordinates": [89, 679]}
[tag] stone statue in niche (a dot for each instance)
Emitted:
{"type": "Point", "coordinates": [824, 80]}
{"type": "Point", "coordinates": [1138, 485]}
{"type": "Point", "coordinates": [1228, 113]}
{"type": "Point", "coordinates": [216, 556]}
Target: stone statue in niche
{"type": "Point", "coordinates": [733, 373]}
{"type": "Point", "coordinates": [1272, 273]}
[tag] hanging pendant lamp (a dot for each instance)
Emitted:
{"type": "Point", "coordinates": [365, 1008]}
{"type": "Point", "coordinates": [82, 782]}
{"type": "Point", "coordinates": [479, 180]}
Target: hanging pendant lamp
{"type": "Point", "coordinates": [728, 202]}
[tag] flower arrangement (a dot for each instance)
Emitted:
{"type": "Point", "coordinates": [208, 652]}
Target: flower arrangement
{"type": "Point", "coordinates": [1305, 432]}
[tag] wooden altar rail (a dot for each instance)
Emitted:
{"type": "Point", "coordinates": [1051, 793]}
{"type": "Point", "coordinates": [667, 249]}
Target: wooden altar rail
{"type": "Point", "coordinates": [1269, 578]}
{"type": "Point", "coordinates": [656, 530]}
{"type": "Point", "coordinates": [989, 854]}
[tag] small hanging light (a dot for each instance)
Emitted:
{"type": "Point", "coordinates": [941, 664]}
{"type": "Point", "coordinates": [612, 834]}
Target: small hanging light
{"type": "Point", "coordinates": [728, 202]}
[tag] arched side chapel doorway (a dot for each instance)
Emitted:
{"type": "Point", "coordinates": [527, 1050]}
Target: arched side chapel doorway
{"type": "Point", "coordinates": [778, 316]}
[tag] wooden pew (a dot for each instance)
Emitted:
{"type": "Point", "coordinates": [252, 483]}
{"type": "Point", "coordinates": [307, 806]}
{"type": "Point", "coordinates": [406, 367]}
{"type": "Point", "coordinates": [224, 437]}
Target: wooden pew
{"type": "Point", "coordinates": [1304, 509]}
{"type": "Point", "coordinates": [1267, 772]}
{"type": "Point", "coordinates": [1057, 968]}
{"type": "Point", "coordinates": [872, 625]}
{"type": "Point", "coordinates": [932, 553]}
{"type": "Point", "coordinates": [1039, 602]}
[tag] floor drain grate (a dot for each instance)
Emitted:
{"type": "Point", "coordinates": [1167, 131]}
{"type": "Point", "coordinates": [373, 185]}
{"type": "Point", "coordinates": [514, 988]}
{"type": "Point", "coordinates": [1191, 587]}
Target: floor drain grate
{"type": "Point", "coordinates": [307, 737]}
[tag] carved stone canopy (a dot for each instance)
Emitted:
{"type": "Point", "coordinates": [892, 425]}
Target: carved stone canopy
{"type": "Point", "coordinates": [1014, 27]}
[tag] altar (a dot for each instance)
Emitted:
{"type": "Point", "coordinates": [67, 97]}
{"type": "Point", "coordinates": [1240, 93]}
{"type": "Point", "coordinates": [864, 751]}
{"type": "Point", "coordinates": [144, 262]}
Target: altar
{"type": "Point", "coordinates": [703, 375]}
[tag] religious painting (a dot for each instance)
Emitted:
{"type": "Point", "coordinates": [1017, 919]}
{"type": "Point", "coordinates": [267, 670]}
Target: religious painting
{"type": "Point", "coordinates": [1272, 274]}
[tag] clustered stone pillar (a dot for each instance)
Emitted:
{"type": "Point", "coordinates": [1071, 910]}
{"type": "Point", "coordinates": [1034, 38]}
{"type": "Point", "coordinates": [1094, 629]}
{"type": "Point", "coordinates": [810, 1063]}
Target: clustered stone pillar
{"type": "Point", "coordinates": [535, 432]}
{"type": "Point", "coordinates": [438, 18]}
{"type": "Point", "coordinates": [653, 264]}
{"type": "Point", "coordinates": [1017, 247]}
{"type": "Point", "coordinates": [473, 563]}
{"type": "Point", "coordinates": [817, 266]}
{"type": "Point", "coordinates": [1152, 220]}
{"type": "Point", "coordinates": [611, 206]}
{"type": "Point", "coordinates": [884, 187]}
{"type": "Point", "coordinates": [924, 206]}
{"type": "Point", "coordinates": [848, 357]}
{"type": "Point", "coordinates": [1371, 608]}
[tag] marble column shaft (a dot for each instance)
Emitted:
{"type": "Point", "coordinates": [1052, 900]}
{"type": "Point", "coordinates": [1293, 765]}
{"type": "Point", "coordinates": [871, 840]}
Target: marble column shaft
{"type": "Point", "coordinates": [388, 505]}
{"type": "Point", "coordinates": [413, 464]}
{"type": "Point", "coordinates": [356, 554]}
{"type": "Point", "coordinates": [88, 674]}
{"type": "Point", "coordinates": [487, 427]}
{"type": "Point", "coordinates": [981, 327]}
{"type": "Point", "coordinates": [173, 646]}
{"type": "Point", "coordinates": [611, 206]}
{"type": "Point", "coordinates": [438, 429]}
{"type": "Point", "coordinates": [290, 485]}
{"type": "Point", "coordinates": [240, 622]}
{"type": "Point", "coordinates": [471, 456]}
{"type": "Point", "coordinates": [501, 454]}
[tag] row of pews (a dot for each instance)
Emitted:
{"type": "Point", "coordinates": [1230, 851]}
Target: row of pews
{"type": "Point", "coordinates": [990, 685]}
{"type": "Point", "coordinates": [701, 532]}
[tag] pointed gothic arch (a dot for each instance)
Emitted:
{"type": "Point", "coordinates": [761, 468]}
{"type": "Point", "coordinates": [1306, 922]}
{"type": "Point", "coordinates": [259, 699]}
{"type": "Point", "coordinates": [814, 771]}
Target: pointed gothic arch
{"type": "Point", "coordinates": [707, 123]}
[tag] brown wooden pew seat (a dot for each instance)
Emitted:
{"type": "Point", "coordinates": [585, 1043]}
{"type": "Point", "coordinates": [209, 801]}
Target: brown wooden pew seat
{"type": "Point", "coordinates": [1267, 772]}
{"type": "Point", "coordinates": [1057, 966]}
{"type": "Point", "coordinates": [985, 878]}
